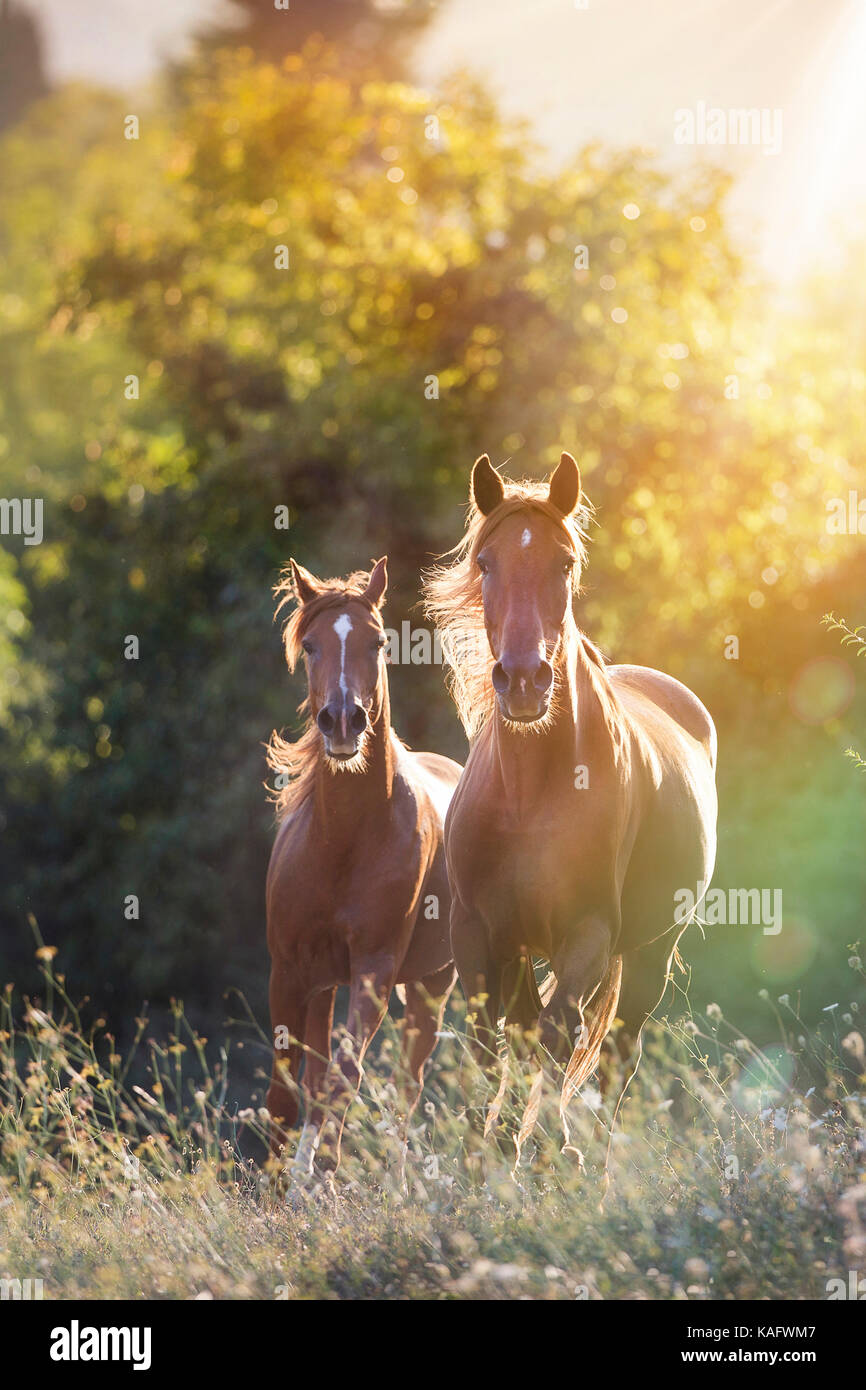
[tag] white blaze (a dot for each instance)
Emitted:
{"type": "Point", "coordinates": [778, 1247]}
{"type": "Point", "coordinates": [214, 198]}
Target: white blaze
{"type": "Point", "coordinates": [526, 537]}
{"type": "Point", "coordinates": [342, 627]}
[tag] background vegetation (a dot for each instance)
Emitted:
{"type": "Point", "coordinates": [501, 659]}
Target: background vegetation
{"type": "Point", "coordinates": [711, 428]}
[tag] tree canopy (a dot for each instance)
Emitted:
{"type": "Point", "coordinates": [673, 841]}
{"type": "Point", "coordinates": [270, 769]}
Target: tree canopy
{"type": "Point", "coordinates": [291, 291]}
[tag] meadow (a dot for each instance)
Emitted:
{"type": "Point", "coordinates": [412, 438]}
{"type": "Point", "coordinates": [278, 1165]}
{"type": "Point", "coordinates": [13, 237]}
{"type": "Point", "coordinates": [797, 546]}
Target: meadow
{"type": "Point", "coordinates": [735, 1174]}
{"type": "Point", "coordinates": [273, 305]}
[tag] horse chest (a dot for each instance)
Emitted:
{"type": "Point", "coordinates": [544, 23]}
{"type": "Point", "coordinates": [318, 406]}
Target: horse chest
{"type": "Point", "coordinates": [527, 876]}
{"type": "Point", "coordinates": [333, 890]}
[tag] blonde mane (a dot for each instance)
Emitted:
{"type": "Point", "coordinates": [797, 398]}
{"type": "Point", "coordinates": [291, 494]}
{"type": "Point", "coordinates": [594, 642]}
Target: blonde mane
{"type": "Point", "coordinates": [452, 598]}
{"type": "Point", "coordinates": [294, 763]}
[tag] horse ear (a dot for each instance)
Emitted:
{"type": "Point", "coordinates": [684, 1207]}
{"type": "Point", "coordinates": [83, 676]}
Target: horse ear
{"type": "Point", "coordinates": [486, 490]}
{"type": "Point", "coordinates": [564, 491]}
{"type": "Point", "coordinates": [375, 590]}
{"type": "Point", "coordinates": [306, 585]}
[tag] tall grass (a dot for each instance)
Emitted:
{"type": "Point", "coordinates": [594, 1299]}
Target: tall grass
{"type": "Point", "coordinates": [737, 1171]}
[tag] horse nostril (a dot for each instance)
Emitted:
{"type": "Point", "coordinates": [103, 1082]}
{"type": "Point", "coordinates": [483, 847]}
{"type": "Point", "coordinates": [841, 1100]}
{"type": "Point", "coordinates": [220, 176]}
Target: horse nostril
{"type": "Point", "coordinates": [543, 677]}
{"type": "Point", "coordinates": [326, 721]}
{"type": "Point", "coordinates": [358, 721]}
{"type": "Point", "coordinates": [501, 679]}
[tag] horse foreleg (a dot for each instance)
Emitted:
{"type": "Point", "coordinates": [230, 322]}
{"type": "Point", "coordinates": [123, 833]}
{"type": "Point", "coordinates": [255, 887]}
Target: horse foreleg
{"type": "Point", "coordinates": [287, 1024]}
{"type": "Point", "coordinates": [481, 978]}
{"type": "Point", "coordinates": [570, 1019]}
{"type": "Point", "coordinates": [317, 1051]}
{"type": "Point", "coordinates": [425, 1008]}
{"type": "Point", "coordinates": [645, 978]}
{"type": "Point", "coordinates": [370, 989]}
{"type": "Point", "coordinates": [578, 1016]}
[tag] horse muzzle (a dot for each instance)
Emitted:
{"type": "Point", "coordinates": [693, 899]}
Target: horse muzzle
{"type": "Point", "coordinates": [523, 691]}
{"type": "Point", "coordinates": [342, 726]}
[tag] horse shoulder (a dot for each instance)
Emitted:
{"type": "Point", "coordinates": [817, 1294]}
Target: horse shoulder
{"type": "Point", "coordinates": [673, 698]}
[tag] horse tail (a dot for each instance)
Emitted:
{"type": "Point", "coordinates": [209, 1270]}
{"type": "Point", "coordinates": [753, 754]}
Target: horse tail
{"type": "Point", "coordinates": [600, 1014]}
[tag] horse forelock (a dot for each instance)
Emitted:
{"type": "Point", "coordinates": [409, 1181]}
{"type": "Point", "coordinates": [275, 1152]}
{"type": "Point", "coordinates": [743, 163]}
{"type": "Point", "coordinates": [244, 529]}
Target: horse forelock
{"type": "Point", "coordinates": [526, 499]}
{"type": "Point", "coordinates": [332, 594]}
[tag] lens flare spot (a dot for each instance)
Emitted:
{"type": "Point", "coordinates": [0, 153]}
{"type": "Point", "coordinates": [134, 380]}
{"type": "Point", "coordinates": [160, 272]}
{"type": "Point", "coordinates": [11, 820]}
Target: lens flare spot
{"type": "Point", "coordinates": [785, 958]}
{"type": "Point", "coordinates": [821, 690]}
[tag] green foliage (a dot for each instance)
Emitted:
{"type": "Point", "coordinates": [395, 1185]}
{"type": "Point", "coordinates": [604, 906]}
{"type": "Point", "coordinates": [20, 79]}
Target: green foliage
{"type": "Point", "coordinates": [709, 445]}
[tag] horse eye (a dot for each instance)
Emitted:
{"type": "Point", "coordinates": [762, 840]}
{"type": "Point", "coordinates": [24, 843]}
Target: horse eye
{"type": "Point", "coordinates": [482, 565]}
{"type": "Point", "coordinates": [307, 646]}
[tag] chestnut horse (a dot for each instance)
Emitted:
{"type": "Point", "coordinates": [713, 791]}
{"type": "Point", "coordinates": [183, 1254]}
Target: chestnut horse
{"type": "Point", "coordinates": [588, 797]}
{"type": "Point", "coordinates": [357, 891]}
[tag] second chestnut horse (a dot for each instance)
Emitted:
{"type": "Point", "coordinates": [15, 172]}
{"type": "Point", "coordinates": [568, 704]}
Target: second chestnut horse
{"type": "Point", "coordinates": [357, 891]}
{"type": "Point", "coordinates": [588, 798]}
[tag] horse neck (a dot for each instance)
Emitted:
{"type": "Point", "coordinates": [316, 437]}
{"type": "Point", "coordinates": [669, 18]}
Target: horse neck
{"type": "Point", "coordinates": [532, 764]}
{"type": "Point", "coordinates": [341, 796]}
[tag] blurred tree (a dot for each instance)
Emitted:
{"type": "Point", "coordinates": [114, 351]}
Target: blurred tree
{"type": "Point", "coordinates": [22, 75]}
{"type": "Point", "coordinates": [292, 292]}
{"type": "Point", "coordinates": [370, 33]}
